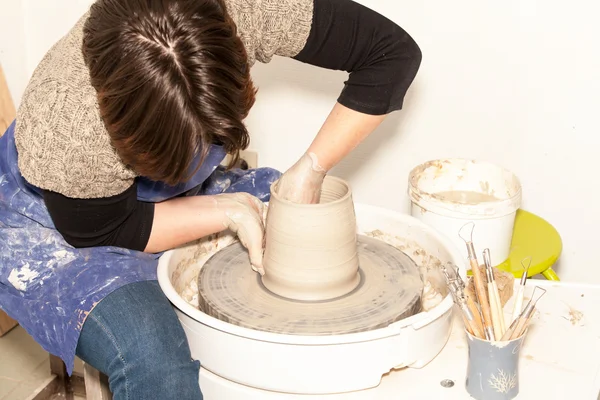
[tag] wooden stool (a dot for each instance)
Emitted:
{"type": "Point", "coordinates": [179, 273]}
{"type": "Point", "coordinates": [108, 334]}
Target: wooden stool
{"type": "Point", "coordinates": [96, 384]}
{"type": "Point", "coordinates": [93, 385]}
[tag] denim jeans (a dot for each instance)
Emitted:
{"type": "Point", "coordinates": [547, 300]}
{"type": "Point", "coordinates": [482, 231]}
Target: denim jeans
{"type": "Point", "coordinates": [134, 337]}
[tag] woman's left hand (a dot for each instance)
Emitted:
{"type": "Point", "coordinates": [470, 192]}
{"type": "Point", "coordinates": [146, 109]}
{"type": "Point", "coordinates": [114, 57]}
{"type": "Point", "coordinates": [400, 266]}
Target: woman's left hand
{"type": "Point", "coordinates": [343, 130]}
{"type": "Point", "coordinates": [302, 182]}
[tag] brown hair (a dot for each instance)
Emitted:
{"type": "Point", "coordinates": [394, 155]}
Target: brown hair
{"type": "Point", "coordinates": [172, 79]}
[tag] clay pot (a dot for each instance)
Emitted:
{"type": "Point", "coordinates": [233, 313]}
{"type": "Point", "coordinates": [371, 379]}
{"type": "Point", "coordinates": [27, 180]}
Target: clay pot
{"type": "Point", "coordinates": [311, 249]}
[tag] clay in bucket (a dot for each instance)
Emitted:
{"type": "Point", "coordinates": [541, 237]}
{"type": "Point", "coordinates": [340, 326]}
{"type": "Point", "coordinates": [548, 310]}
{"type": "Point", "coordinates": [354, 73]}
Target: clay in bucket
{"type": "Point", "coordinates": [448, 193]}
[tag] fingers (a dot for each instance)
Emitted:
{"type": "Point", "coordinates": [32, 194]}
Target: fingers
{"type": "Point", "coordinates": [250, 234]}
{"type": "Point", "coordinates": [301, 184]}
{"type": "Point", "coordinates": [260, 206]}
{"type": "Point", "coordinates": [253, 201]}
{"type": "Point", "coordinates": [246, 221]}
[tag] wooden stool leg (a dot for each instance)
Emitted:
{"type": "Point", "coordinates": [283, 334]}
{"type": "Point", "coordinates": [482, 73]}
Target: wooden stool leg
{"type": "Point", "coordinates": [6, 322]}
{"type": "Point", "coordinates": [96, 384]}
{"type": "Point", "coordinates": [58, 368]}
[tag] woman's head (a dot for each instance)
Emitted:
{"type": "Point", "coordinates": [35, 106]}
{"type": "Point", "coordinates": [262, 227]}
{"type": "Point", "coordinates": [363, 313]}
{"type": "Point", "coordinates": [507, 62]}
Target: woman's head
{"type": "Point", "coordinates": [172, 78]}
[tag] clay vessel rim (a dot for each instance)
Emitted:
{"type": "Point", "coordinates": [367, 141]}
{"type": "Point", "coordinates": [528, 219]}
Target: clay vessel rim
{"type": "Point", "coordinates": [318, 205]}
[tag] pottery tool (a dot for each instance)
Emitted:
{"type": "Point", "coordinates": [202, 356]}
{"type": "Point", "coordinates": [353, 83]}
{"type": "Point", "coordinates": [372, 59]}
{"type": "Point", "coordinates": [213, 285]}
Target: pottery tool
{"type": "Point", "coordinates": [480, 291]}
{"type": "Point", "coordinates": [457, 281]}
{"type": "Point", "coordinates": [494, 296]}
{"type": "Point", "coordinates": [470, 313]}
{"type": "Point", "coordinates": [527, 312]}
{"type": "Point", "coordinates": [518, 325]}
{"type": "Point", "coordinates": [477, 315]}
{"type": "Point", "coordinates": [521, 331]}
{"type": "Point", "coordinates": [521, 291]}
{"type": "Point", "coordinates": [470, 303]}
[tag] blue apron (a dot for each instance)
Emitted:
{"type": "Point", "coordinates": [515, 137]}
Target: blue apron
{"type": "Point", "coordinates": [48, 286]}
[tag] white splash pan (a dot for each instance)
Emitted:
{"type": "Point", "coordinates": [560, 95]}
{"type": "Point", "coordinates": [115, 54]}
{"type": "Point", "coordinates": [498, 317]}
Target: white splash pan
{"type": "Point", "coordinates": [322, 364]}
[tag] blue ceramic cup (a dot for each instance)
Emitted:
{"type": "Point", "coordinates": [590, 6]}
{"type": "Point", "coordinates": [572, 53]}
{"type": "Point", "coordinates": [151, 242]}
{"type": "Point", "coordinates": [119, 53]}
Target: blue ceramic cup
{"type": "Point", "coordinates": [493, 368]}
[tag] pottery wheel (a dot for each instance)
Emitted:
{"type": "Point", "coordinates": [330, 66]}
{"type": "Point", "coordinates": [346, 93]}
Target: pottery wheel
{"type": "Point", "coordinates": [389, 290]}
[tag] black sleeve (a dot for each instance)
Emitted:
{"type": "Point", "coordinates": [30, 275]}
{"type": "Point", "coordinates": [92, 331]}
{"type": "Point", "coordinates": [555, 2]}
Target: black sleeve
{"type": "Point", "coordinates": [121, 220]}
{"type": "Point", "coordinates": [381, 57]}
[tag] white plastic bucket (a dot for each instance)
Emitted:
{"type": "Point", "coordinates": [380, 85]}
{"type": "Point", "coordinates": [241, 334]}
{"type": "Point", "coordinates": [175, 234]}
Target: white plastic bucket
{"type": "Point", "coordinates": [446, 194]}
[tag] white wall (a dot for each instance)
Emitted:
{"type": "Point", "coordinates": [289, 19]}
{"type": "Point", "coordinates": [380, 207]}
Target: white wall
{"type": "Point", "coordinates": [516, 83]}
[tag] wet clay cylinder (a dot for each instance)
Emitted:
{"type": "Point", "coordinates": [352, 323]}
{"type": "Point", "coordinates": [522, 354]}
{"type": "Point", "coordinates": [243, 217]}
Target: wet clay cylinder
{"type": "Point", "coordinates": [311, 249]}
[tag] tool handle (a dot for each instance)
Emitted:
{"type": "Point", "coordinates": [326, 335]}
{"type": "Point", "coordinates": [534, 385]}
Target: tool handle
{"type": "Point", "coordinates": [494, 306]}
{"type": "Point", "coordinates": [499, 305]}
{"type": "Point", "coordinates": [468, 324]}
{"type": "Point", "coordinates": [471, 324]}
{"type": "Point", "coordinates": [519, 328]}
{"type": "Point", "coordinates": [520, 332]}
{"type": "Point", "coordinates": [510, 330]}
{"type": "Point", "coordinates": [481, 294]}
{"type": "Point", "coordinates": [518, 306]}
{"type": "Point", "coordinates": [476, 323]}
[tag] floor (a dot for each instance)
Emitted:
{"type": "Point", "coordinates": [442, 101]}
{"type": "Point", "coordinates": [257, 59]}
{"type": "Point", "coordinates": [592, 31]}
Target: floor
{"type": "Point", "coordinates": [24, 365]}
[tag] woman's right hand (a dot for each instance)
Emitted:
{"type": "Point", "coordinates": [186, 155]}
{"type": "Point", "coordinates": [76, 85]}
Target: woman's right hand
{"type": "Point", "coordinates": [184, 219]}
{"type": "Point", "coordinates": [243, 214]}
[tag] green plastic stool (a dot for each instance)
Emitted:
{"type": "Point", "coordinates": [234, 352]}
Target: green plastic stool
{"type": "Point", "coordinates": [533, 237]}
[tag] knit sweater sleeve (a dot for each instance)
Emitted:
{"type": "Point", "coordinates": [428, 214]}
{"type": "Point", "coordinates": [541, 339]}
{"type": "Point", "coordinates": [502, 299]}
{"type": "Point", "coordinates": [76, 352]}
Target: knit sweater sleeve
{"type": "Point", "coordinates": [271, 27]}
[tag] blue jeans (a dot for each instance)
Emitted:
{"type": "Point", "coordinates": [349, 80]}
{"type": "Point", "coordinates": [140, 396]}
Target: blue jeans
{"type": "Point", "coordinates": [134, 337]}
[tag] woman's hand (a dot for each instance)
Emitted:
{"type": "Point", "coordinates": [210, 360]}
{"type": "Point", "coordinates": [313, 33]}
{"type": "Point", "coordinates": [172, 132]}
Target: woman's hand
{"type": "Point", "coordinates": [343, 130]}
{"type": "Point", "coordinates": [184, 219]}
{"type": "Point", "coordinates": [243, 214]}
{"type": "Point", "coordinates": [302, 182]}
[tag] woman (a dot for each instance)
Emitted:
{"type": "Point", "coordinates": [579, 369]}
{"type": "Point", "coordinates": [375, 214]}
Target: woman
{"type": "Point", "coordinates": [114, 158]}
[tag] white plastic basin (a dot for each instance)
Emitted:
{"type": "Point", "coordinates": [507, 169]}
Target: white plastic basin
{"type": "Point", "coordinates": [321, 364]}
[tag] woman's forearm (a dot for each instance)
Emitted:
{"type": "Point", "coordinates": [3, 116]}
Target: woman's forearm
{"type": "Point", "coordinates": [382, 60]}
{"type": "Point", "coordinates": [182, 220]}
{"type": "Point", "coordinates": [343, 130]}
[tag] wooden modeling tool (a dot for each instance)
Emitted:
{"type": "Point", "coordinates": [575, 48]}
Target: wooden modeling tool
{"type": "Point", "coordinates": [519, 325]}
{"type": "Point", "coordinates": [494, 296]}
{"type": "Point", "coordinates": [467, 235]}
{"type": "Point", "coordinates": [520, 331]}
{"type": "Point", "coordinates": [476, 316]}
{"type": "Point", "coordinates": [521, 291]}
{"type": "Point", "coordinates": [474, 310]}
{"type": "Point", "coordinates": [527, 312]}
{"type": "Point", "coordinates": [470, 314]}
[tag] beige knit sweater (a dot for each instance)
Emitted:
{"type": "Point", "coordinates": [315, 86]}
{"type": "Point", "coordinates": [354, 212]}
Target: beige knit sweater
{"type": "Point", "coordinates": [62, 143]}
